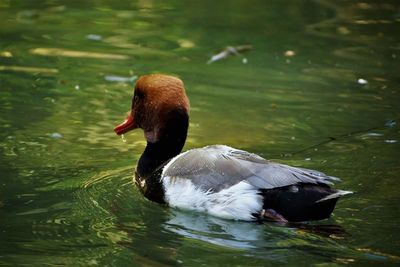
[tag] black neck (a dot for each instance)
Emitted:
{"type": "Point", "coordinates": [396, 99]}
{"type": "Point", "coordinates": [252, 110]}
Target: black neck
{"type": "Point", "coordinates": [156, 155]}
{"type": "Point", "coordinates": [172, 139]}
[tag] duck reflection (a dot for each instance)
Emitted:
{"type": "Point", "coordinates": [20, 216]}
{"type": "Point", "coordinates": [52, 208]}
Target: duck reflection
{"type": "Point", "coordinates": [243, 235]}
{"type": "Point", "coordinates": [232, 234]}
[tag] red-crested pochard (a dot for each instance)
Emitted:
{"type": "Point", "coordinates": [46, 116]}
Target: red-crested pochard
{"type": "Point", "coordinates": [218, 179]}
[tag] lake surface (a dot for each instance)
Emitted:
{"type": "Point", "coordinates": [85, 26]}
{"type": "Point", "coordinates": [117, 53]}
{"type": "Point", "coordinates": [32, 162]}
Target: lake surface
{"type": "Point", "coordinates": [319, 89]}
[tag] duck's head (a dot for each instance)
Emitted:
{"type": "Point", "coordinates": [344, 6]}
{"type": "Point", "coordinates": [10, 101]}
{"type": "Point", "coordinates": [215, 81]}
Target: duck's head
{"type": "Point", "coordinates": [156, 99]}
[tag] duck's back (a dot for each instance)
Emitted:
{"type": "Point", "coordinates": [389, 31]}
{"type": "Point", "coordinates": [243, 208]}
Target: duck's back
{"type": "Point", "coordinates": [232, 183]}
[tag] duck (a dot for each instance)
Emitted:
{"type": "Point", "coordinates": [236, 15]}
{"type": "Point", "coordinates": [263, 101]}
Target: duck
{"type": "Point", "coordinates": [216, 179]}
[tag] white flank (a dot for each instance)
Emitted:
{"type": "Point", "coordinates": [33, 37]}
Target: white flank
{"type": "Point", "coordinates": [238, 202]}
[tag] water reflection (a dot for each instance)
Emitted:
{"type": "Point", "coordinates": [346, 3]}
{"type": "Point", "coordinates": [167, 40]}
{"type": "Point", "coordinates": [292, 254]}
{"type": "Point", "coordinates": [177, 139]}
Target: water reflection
{"type": "Point", "coordinates": [29, 69]}
{"type": "Point", "coordinates": [60, 52]}
{"type": "Point", "coordinates": [245, 235]}
{"type": "Point", "coordinates": [269, 241]}
{"type": "Point", "coordinates": [239, 235]}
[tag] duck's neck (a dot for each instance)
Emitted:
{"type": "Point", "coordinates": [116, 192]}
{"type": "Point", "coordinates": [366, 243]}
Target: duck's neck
{"type": "Point", "coordinates": [156, 154]}
{"type": "Point", "coordinates": [170, 144]}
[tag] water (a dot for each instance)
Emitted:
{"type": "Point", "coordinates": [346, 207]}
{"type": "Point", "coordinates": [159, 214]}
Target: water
{"type": "Point", "coordinates": [67, 69]}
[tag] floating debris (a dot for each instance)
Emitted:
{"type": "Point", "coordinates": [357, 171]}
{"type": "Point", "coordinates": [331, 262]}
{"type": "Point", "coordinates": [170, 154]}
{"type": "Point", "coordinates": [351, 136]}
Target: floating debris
{"type": "Point", "coordinates": [120, 79]}
{"type": "Point", "coordinates": [373, 134]}
{"type": "Point", "coordinates": [343, 30]}
{"type": "Point", "coordinates": [289, 53]}
{"type": "Point", "coordinates": [6, 54]}
{"type": "Point", "coordinates": [25, 15]}
{"type": "Point", "coordinates": [123, 138]}
{"type": "Point", "coordinates": [229, 51]}
{"type": "Point", "coordinates": [56, 8]}
{"type": "Point", "coordinates": [56, 135]}
{"type": "Point", "coordinates": [77, 87]}
{"type": "Point", "coordinates": [391, 141]}
{"type": "Point", "coordinates": [184, 43]}
{"type": "Point", "coordinates": [94, 37]}
{"type": "Point", "coordinates": [390, 123]}
{"type": "Point", "coordinates": [362, 81]}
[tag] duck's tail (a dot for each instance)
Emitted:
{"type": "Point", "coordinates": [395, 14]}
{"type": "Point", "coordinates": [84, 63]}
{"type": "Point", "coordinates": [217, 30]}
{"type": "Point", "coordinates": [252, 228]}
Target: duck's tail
{"type": "Point", "coordinates": [305, 202]}
{"type": "Point", "coordinates": [337, 194]}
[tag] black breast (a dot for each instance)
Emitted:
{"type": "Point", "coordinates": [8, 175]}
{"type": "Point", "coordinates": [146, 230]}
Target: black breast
{"type": "Point", "coordinates": [151, 186]}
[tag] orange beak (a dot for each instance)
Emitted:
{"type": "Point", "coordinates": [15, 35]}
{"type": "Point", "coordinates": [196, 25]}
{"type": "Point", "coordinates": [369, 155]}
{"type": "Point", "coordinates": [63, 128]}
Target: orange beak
{"type": "Point", "coordinates": [126, 126]}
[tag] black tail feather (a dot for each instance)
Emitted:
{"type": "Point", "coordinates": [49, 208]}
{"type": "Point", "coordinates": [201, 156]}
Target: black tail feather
{"type": "Point", "coordinates": [301, 202]}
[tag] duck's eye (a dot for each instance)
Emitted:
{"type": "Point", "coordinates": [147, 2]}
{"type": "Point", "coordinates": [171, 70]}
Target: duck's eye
{"type": "Point", "coordinates": [139, 95]}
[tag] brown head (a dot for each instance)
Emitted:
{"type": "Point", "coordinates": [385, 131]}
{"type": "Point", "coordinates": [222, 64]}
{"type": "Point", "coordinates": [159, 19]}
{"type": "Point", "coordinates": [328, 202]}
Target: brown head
{"type": "Point", "coordinates": [156, 96]}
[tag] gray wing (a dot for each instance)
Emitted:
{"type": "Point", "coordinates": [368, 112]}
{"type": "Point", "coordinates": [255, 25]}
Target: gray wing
{"type": "Point", "coordinates": [214, 168]}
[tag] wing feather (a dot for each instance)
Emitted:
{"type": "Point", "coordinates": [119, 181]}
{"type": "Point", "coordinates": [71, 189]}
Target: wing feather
{"type": "Point", "coordinates": [214, 168]}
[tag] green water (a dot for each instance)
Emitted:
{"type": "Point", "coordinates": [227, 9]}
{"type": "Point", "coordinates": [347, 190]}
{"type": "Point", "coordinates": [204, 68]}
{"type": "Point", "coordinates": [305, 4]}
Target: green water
{"type": "Point", "coordinates": [66, 191]}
